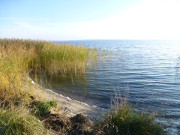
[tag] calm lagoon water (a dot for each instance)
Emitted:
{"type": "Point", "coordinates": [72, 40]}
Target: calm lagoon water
{"type": "Point", "coordinates": [148, 71]}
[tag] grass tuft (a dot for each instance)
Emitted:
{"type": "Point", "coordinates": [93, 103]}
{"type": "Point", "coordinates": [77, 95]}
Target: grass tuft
{"type": "Point", "coordinates": [43, 108]}
{"type": "Point", "coordinates": [19, 122]}
{"type": "Point", "coordinates": [124, 120]}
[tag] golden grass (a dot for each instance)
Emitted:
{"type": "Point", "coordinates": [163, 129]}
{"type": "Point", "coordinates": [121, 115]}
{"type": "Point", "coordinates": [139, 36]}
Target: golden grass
{"type": "Point", "coordinates": [21, 58]}
{"type": "Point", "coordinates": [13, 74]}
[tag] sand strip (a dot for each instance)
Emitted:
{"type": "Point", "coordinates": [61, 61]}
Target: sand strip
{"type": "Point", "coordinates": [70, 106]}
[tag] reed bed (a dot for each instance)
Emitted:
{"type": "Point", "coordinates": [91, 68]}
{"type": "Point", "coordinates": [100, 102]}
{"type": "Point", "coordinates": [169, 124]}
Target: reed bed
{"type": "Point", "coordinates": [21, 58]}
{"type": "Point", "coordinates": [53, 58]}
{"type": "Point", "coordinates": [13, 72]}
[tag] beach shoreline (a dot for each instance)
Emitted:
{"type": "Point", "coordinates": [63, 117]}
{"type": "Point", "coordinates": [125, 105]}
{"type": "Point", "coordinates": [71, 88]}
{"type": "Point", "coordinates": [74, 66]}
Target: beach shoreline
{"type": "Point", "coordinates": [70, 106]}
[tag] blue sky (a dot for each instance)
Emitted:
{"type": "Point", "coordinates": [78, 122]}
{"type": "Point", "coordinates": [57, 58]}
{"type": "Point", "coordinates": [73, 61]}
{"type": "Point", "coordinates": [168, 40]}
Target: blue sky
{"type": "Point", "coordinates": [89, 19]}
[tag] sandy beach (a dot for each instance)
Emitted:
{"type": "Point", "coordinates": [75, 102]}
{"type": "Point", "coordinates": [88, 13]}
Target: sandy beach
{"type": "Point", "coordinates": [69, 106]}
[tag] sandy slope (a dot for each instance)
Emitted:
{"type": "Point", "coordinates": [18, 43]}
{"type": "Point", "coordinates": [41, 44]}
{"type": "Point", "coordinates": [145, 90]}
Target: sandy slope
{"type": "Point", "coordinates": [70, 106]}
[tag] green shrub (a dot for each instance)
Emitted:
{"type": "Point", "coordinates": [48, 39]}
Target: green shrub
{"type": "Point", "coordinates": [43, 108]}
{"type": "Point", "coordinates": [125, 121]}
{"type": "Point", "coordinates": [19, 122]}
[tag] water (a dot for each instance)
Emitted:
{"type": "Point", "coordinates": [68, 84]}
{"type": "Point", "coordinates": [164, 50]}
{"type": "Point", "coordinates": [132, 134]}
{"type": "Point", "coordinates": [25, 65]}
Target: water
{"type": "Point", "coordinates": [147, 70]}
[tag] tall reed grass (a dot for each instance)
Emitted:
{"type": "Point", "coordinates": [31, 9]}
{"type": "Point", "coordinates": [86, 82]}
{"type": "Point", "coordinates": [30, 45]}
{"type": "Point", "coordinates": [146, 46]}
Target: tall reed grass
{"type": "Point", "coordinates": [14, 61]}
{"type": "Point", "coordinates": [21, 58]}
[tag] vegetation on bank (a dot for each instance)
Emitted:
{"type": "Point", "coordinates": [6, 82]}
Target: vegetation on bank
{"type": "Point", "coordinates": [124, 120]}
{"type": "Point", "coordinates": [43, 108]}
{"type": "Point", "coordinates": [20, 59]}
{"type": "Point", "coordinates": [23, 112]}
{"type": "Point", "coordinates": [19, 121]}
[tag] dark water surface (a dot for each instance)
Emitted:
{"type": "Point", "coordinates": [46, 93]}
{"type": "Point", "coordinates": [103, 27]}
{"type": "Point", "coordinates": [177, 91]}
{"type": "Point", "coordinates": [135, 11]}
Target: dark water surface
{"type": "Point", "coordinates": [147, 70]}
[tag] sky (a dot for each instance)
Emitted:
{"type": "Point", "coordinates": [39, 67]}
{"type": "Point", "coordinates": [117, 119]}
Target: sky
{"type": "Point", "coordinates": [90, 19]}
